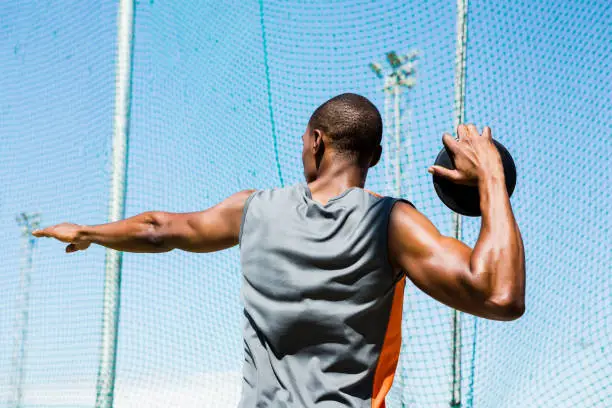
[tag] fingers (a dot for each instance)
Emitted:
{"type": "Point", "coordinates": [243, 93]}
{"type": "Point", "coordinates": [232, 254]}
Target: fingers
{"type": "Point", "coordinates": [452, 175]}
{"type": "Point", "coordinates": [41, 233]}
{"type": "Point", "coordinates": [450, 143]}
{"type": "Point", "coordinates": [48, 232]}
{"type": "Point", "coordinates": [462, 132]}
{"type": "Point", "coordinates": [472, 130]}
{"type": "Point", "coordinates": [71, 248]}
{"type": "Point", "coordinates": [486, 132]}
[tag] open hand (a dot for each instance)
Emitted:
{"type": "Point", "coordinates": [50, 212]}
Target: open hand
{"type": "Point", "coordinates": [474, 156]}
{"type": "Point", "coordinates": [65, 232]}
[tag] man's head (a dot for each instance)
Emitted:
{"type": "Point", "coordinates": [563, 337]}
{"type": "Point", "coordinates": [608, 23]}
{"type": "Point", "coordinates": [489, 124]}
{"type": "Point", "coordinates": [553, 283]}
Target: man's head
{"type": "Point", "coordinates": [347, 127]}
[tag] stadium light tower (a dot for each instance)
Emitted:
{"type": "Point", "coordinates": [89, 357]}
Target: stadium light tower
{"type": "Point", "coordinates": [28, 222]}
{"type": "Point", "coordinates": [105, 387]}
{"type": "Point", "coordinates": [402, 74]}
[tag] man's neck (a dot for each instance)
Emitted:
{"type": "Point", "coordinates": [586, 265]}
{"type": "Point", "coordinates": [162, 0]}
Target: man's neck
{"type": "Point", "coordinates": [336, 175]}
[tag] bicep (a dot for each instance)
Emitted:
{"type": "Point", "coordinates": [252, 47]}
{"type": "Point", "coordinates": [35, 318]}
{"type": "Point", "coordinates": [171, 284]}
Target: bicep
{"type": "Point", "coordinates": [210, 230]}
{"type": "Point", "coordinates": [436, 264]}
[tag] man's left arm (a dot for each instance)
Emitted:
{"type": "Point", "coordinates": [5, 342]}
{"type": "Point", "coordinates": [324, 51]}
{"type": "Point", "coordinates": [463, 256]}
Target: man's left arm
{"type": "Point", "coordinates": [210, 230]}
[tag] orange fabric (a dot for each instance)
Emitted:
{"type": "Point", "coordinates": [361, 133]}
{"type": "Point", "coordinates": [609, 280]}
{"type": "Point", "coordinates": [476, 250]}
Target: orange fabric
{"type": "Point", "coordinates": [371, 192]}
{"type": "Point", "coordinates": [389, 354]}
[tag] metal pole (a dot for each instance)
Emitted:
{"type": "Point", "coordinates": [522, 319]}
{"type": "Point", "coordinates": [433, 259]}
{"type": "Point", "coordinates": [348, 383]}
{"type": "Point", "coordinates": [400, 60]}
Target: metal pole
{"type": "Point", "coordinates": [460, 64]}
{"type": "Point", "coordinates": [388, 137]}
{"type": "Point", "coordinates": [28, 223]}
{"type": "Point", "coordinates": [409, 153]}
{"type": "Point", "coordinates": [112, 280]}
{"type": "Point", "coordinates": [398, 179]}
{"type": "Point", "coordinates": [398, 141]}
{"type": "Point", "coordinates": [401, 74]}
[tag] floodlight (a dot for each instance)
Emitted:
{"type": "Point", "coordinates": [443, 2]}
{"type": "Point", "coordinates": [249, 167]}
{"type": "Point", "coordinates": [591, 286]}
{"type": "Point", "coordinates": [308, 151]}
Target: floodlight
{"type": "Point", "coordinates": [377, 68]}
{"type": "Point", "coordinates": [393, 59]}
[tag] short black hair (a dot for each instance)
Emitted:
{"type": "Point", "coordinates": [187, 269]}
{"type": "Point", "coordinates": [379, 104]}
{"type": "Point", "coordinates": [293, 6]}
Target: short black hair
{"type": "Point", "coordinates": [352, 123]}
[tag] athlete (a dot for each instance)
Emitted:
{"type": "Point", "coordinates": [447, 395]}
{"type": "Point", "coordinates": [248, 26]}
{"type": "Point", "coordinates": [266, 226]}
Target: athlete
{"type": "Point", "coordinates": [325, 262]}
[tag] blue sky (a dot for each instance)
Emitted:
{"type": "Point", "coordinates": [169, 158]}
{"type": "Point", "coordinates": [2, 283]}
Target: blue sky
{"type": "Point", "coordinates": [210, 98]}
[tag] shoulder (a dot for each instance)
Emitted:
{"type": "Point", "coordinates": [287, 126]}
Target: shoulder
{"type": "Point", "coordinates": [409, 228]}
{"type": "Point", "coordinates": [238, 200]}
{"type": "Point", "coordinates": [278, 192]}
{"type": "Point", "coordinates": [402, 211]}
{"type": "Point", "coordinates": [391, 202]}
{"type": "Point", "coordinates": [267, 200]}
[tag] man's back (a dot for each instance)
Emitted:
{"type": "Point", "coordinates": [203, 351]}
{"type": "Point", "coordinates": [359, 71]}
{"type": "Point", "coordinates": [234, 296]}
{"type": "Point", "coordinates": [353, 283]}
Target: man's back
{"type": "Point", "coordinates": [322, 302]}
{"type": "Point", "coordinates": [322, 305]}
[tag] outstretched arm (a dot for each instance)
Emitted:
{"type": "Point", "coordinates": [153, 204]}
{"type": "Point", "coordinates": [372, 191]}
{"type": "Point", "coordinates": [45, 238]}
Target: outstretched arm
{"type": "Point", "coordinates": [211, 230]}
{"type": "Point", "coordinates": [487, 281]}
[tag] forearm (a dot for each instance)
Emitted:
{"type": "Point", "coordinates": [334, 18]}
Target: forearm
{"type": "Point", "coordinates": [134, 234]}
{"type": "Point", "coordinates": [497, 260]}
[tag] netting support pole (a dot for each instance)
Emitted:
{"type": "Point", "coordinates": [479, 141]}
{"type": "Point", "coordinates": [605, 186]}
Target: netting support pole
{"type": "Point", "coordinates": [28, 223]}
{"type": "Point", "coordinates": [112, 266]}
{"type": "Point", "coordinates": [388, 177]}
{"type": "Point", "coordinates": [397, 114]}
{"type": "Point", "coordinates": [459, 113]}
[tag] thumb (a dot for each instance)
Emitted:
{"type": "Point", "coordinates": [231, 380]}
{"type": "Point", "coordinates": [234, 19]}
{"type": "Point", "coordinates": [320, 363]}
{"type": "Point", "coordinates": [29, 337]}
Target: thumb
{"type": "Point", "coordinates": [78, 246]}
{"type": "Point", "coordinates": [444, 172]}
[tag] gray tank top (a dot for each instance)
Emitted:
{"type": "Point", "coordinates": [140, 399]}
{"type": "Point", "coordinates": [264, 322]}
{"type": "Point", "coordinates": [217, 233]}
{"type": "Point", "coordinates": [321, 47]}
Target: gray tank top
{"type": "Point", "coordinates": [322, 306]}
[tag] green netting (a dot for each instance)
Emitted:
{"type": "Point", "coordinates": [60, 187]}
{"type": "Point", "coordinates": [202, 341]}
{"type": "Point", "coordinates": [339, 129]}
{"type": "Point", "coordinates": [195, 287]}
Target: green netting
{"type": "Point", "coordinates": [221, 94]}
{"type": "Point", "coordinates": [548, 97]}
{"type": "Point", "coordinates": [56, 96]}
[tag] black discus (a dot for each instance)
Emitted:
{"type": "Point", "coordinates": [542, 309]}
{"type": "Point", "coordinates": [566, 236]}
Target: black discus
{"type": "Point", "coordinates": [464, 199]}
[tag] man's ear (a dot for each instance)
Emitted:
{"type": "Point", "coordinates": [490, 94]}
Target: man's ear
{"type": "Point", "coordinates": [317, 137]}
{"type": "Point", "coordinates": [376, 156]}
{"type": "Point", "coordinates": [318, 147]}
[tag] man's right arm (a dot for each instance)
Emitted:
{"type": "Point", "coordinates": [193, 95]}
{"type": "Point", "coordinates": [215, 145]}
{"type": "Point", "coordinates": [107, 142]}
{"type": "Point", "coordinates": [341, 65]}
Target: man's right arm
{"type": "Point", "coordinates": [214, 229]}
{"type": "Point", "coordinates": [487, 281]}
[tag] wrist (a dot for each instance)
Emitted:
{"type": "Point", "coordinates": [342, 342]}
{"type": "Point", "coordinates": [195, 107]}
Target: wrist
{"type": "Point", "coordinates": [492, 189]}
{"type": "Point", "coordinates": [83, 233]}
{"type": "Point", "coordinates": [491, 178]}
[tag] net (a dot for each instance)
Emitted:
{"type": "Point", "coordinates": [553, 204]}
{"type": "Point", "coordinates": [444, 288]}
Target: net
{"type": "Point", "coordinates": [56, 88]}
{"type": "Point", "coordinates": [548, 96]}
{"type": "Point", "coordinates": [221, 93]}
